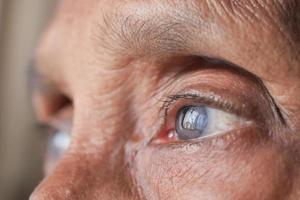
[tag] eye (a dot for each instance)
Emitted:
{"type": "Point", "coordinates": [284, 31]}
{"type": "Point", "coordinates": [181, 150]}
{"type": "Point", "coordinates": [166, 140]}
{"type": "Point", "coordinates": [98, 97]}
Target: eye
{"type": "Point", "coordinates": [194, 122]}
{"type": "Point", "coordinates": [57, 145]}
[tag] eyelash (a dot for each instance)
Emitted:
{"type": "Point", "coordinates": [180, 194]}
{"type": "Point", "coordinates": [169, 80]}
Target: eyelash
{"type": "Point", "coordinates": [206, 99]}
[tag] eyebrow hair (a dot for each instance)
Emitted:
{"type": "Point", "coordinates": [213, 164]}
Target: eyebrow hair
{"type": "Point", "coordinates": [158, 30]}
{"type": "Point", "coordinates": [173, 26]}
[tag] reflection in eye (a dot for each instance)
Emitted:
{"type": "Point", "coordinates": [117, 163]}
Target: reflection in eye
{"type": "Point", "coordinates": [201, 121]}
{"type": "Point", "coordinates": [58, 144]}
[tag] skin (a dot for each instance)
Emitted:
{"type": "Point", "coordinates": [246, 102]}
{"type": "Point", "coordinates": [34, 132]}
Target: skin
{"type": "Point", "coordinates": [108, 66]}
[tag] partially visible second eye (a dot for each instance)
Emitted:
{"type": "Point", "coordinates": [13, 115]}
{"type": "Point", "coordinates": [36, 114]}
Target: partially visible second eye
{"type": "Point", "coordinates": [194, 122]}
{"type": "Point", "coordinates": [58, 144]}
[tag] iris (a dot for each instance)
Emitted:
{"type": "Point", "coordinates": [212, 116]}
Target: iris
{"type": "Point", "coordinates": [191, 122]}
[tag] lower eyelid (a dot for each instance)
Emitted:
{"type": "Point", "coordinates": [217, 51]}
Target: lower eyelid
{"type": "Point", "coordinates": [247, 134]}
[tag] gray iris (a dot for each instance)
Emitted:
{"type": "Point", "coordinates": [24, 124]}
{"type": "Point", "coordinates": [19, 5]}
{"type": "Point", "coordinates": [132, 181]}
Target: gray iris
{"type": "Point", "coordinates": [191, 122]}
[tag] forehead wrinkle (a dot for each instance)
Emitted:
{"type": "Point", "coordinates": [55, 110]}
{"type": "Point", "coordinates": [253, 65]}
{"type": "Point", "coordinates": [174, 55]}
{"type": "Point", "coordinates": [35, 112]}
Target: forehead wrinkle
{"type": "Point", "coordinates": [263, 12]}
{"type": "Point", "coordinates": [282, 16]}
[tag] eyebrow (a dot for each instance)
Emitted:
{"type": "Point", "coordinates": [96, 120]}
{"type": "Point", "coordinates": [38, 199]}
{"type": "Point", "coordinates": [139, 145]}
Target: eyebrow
{"type": "Point", "coordinates": [172, 26]}
{"type": "Point", "coordinates": [154, 31]}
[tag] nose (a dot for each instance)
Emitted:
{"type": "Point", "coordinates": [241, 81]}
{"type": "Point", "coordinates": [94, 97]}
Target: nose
{"type": "Point", "coordinates": [88, 172]}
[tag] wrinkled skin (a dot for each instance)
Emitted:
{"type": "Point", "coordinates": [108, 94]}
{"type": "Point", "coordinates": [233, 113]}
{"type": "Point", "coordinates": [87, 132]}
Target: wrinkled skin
{"type": "Point", "coordinates": [116, 60]}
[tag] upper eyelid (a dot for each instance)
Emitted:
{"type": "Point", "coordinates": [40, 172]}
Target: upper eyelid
{"type": "Point", "coordinates": [204, 98]}
{"type": "Point", "coordinates": [276, 108]}
{"type": "Point", "coordinates": [42, 82]}
{"type": "Point", "coordinates": [38, 82]}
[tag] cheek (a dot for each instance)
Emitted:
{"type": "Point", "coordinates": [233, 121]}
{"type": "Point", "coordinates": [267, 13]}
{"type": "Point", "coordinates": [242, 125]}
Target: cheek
{"type": "Point", "coordinates": [194, 172]}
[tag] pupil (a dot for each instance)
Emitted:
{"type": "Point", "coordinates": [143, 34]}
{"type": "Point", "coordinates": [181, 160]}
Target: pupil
{"type": "Point", "coordinates": [191, 122]}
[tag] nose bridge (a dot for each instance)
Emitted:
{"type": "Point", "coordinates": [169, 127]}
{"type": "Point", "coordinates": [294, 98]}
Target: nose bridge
{"type": "Point", "coordinates": [81, 177]}
{"type": "Point", "coordinates": [94, 167]}
{"type": "Point", "coordinates": [86, 175]}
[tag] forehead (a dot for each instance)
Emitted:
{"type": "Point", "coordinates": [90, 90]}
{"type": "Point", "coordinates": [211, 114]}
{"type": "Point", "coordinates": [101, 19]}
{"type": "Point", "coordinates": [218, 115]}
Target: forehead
{"type": "Point", "coordinates": [102, 32]}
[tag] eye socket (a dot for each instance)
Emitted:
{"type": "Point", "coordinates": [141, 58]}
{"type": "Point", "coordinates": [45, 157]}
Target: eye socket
{"type": "Point", "coordinates": [59, 125]}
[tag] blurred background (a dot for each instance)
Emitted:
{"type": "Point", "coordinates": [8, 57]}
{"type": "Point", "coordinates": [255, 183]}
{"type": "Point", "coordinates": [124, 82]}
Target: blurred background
{"type": "Point", "coordinates": [21, 143]}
